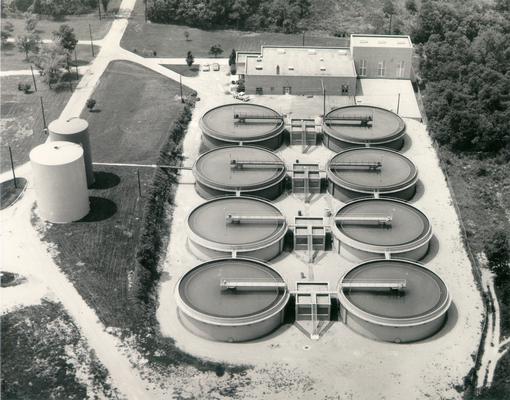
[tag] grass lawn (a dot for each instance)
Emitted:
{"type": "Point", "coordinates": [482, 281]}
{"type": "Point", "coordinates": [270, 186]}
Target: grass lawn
{"type": "Point", "coordinates": [184, 70]}
{"type": "Point", "coordinates": [21, 118]}
{"type": "Point", "coordinates": [80, 23]}
{"type": "Point", "coordinates": [44, 357]}
{"type": "Point", "coordinates": [12, 59]}
{"type": "Point", "coordinates": [169, 40]}
{"type": "Point", "coordinates": [137, 107]}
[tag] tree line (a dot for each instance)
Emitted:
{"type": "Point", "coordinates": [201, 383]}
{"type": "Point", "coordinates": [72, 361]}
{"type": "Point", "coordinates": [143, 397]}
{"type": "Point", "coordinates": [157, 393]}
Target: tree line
{"type": "Point", "coordinates": [277, 15]}
{"type": "Point", "coordinates": [465, 61]}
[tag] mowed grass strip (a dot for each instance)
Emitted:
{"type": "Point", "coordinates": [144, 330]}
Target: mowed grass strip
{"type": "Point", "coordinates": [169, 40]}
{"type": "Point", "coordinates": [137, 108]}
{"type": "Point", "coordinates": [12, 59]}
{"type": "Point", "coordinates": [21, 121]}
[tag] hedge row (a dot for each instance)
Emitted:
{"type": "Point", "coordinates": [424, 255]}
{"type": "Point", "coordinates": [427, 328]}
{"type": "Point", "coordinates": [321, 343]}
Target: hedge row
{"type": "Point", "coordinates": [155, 223]}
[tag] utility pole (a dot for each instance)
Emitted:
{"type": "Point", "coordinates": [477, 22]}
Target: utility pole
{"type": "Point", "coordinates": [139, 184]}
{"type": "Point", "coordinates": [43, 115]}
{"type": "Point", "coordinates": [12, 168]}
{"type": "Point", "coordinates": [398, 103]}
{"type": "Point", "coordinates": [33, 78]}
{"type": "Point", "coordinates": [76, 64]}
{"type": "Point", "coordinates": [180, 85]}
{"type": "Point", "coordinates": [323, 99]}
{"type": "Point", "coordinates": [99, 8]}
{"type": "Point", "coordinates": [303, 38]}
{"type": "Point", "coordinates": [91, 42]}
{"type": "Point", "coordinates": [389, 32]}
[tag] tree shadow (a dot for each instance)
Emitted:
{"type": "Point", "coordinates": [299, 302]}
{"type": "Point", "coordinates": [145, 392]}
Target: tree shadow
{"type": "Point", "coordinates": [9, 193]}
{"type": "Point", "coordinates": [100, 210]}
{"type": "Point", "coordinates": [105, 180]}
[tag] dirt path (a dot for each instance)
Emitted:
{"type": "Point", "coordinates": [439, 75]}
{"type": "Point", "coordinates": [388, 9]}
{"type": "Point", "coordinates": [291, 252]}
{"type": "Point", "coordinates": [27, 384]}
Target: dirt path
{"type": "Point", "coordinates": [494, 348]}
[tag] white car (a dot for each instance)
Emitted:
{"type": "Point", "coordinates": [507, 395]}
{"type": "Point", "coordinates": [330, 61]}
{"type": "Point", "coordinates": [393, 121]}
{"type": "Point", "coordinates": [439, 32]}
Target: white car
{"type": "Point", "coordinates": [206, 68]}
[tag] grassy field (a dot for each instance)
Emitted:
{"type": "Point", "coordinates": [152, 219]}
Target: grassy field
{"type": "Point", "coordinates": [169, 40]}
{"type": "Point", "coordinates": [80, 23]}
{"type": "Point", "coordinates": [184, 70]}
{"type": "Point", "coordinates": [99, 254]}
{"type": "Point", "coordinates": [44, 357]}
{"type": "Point", "coordinates": [12, 59]}
{"type": "Point", "coordinates": [21, 118]}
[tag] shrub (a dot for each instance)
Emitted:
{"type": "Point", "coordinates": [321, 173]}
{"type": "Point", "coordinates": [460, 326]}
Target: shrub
{"type": "Point", "coordinates": [91, 103]}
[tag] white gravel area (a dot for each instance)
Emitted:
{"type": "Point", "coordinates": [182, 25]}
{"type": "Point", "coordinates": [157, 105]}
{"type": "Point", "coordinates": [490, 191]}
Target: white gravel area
{"type": "Point", "coordinates": [342, 362]}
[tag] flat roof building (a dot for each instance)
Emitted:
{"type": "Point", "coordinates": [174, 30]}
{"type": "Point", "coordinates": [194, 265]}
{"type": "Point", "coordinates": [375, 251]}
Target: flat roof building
{"type": "Point", "coordinates": [382, 56]}
{"type": "Point", "coordinates": [299, 70]}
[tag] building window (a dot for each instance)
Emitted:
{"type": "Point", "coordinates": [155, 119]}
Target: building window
{"type": "Point", "coordinates": [259, 90]}
{"type": "Point", "coordinates": [380, 68]}
{"type": "Point", "coordinates": [401, 66]}
{"type": "Point", "coordinates": [345, 89]}
{"type": "Point", "coordinates": [287, 90]}
{"type": "Point", "coordinates": [363, 67]}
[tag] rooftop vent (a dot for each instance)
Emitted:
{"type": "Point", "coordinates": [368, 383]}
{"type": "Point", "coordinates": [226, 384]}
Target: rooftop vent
{"type": "Point", "coordinates": [259, 67]}
{"type": "Point", "coordinates": [291, 68]}
{"type": "Point", "coordinates": [312, 51]}
{"type": "Point", "coordinates": [281, 51]}
{"type": "Point", "coordinates": [342, 52]}
{"type": "Point", "coordinates": [259, 59]}
{"type": "Point", "coordinates": [323, 68]}
{"type": "Point", "coordinates": [322, 59]}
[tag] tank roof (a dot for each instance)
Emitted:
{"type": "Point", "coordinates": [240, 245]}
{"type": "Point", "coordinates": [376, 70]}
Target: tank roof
{"type": "Point", "coordinates": [200, 289]}
{"type": "Point", "coordinates": [408, 226]}
{"type": "Point", "coordinates": [69, 126]}
{"type": "Point", "coordinates": [396, 171]}
{"type": "Point", "coordinates": [424, 293]}
{"type": "Point", "coordinates": [207, 222]}
{"type": "Point", "coordinates": [219, 123]}
{"type": "Point", "coordinates": [385, 125]}
{"type": "Point", "coordinates": [214, 168]}
{"type": "Point", "coordinates": [56, 153]}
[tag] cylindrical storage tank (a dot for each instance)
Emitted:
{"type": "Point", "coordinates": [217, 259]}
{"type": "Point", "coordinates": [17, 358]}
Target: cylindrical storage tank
{"type": "Point", "coordinates": [238, 170]}
{"type": "Point", "coordinates": [236, 226]}
{"type": "Point", "coordinates": [234, 314]}
{"type": "Point", "coordinates": [381, 228]}
{"type": "Point", "coordinates": [242, 124]}
{"type": "Point", "coordinates": [393, 300]}
{"type": "Point", "coordinates": [363, 126]}
{"type": "Point", "coordinates": [60, 181]}
{"type": "Point", "coordinates": [74, 130]}
{"type": "Point", "coordinates": [362, 172]}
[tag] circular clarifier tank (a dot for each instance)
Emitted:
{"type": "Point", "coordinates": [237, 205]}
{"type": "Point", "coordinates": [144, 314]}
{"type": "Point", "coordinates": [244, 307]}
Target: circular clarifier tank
{"type": "Point", "coordinates": [363, 126]}
{"type": "Point", "coordinates": [242, 124]}
{"type": "Point", "coordinates": [239, 170]}
{"type": "Point", "coordinates": [379, 228]}
{"type": "Point", "coordinates": [231, 300]}
{"type": "Point", "coordinates": [393, 300]}
{"type": "Point", "coordinates": [242, 226]}
{"type": "Point", "coordinates": [363, 172]}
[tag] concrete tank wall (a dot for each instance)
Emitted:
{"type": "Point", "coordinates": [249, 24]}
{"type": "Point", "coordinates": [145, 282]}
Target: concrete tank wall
{"type": "Point", "coordinates": [265, 254]}
{"type": "Point", "coordinates": [396, 334]}
{"type": "Point", "coordinates": [269, 193]}
{"type": "Point", "coordinates": [232, 333]}
{"type": "Point", "coordinates": [271, 143]}
{"type": "Point", "coordinates": [346, 195]}
{"type": "Point", "coordinates": [338, 145]}
{"type": "Point", "coordinates": [74, 130]}
{"type": "Point", "coordinates": [60, 181]}
{"type": "Point", "coordinates": [357, 255]}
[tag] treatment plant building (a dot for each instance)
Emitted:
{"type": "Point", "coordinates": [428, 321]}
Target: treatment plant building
{"type": "Point", "coordinates": [301, 70]}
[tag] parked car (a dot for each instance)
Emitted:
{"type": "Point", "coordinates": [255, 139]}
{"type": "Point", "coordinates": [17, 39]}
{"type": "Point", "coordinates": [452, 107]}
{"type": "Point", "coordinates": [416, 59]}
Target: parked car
{"type": "Point", "coordinates": [216, 67]}
{"type": "Point", "coordinates": [206, 67]}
